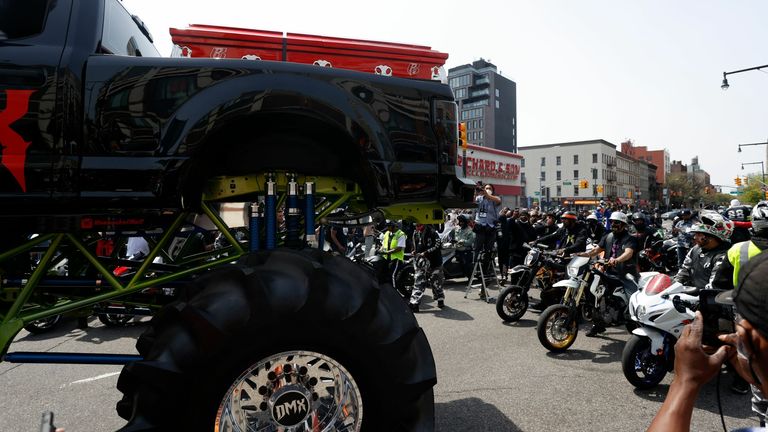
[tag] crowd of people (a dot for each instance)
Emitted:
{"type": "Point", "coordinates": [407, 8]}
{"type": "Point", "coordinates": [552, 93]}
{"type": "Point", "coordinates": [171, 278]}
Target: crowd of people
{"type": "Point", "coordinates": [716, 249]}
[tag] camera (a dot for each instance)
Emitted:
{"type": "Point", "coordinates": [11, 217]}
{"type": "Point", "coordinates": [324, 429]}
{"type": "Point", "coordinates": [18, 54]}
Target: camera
{"type": "Point", "coordinates": [718, 318]}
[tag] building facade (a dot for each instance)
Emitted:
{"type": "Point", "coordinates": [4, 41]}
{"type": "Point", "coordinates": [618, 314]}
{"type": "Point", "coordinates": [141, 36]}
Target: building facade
{"type": "Point", "coordinates": [487, 104]}
{"type": "Point", "coordinates": [659, 158]}
{"type": "Point", "coordinates": [557, 174]}
{"type": "Point", "coordinates": [499, 168]}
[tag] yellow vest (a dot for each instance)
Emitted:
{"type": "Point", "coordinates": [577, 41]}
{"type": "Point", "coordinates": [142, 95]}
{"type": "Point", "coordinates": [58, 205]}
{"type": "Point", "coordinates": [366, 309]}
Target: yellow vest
{"type": "Point", "coordinates": [739, 254]}
{"type": "Point", "coordinates": [390, 242]}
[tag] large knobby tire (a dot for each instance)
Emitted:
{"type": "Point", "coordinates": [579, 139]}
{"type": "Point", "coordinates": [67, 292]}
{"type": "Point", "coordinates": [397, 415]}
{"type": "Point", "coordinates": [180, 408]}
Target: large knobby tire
{"type": "Point", "coordinates": [512, 303]}
{"type": "Point", "coordinates": [304, 311]}
{"type": "Point", "coordinates": [43, 325]}
{"type": "Point", "coordinates": [552, 331]}
{"type": "Point", "coordinates": [643, 369]}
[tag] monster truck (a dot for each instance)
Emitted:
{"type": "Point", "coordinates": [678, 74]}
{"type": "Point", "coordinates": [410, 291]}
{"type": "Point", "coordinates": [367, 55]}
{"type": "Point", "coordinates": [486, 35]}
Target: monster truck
{"type": "Point", "coordinates": [103, 140]}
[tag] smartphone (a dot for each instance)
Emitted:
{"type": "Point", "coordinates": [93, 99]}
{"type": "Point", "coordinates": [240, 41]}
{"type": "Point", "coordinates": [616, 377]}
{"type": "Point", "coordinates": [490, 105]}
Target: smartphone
{"type": "Point", "coordinates": [718, 319]}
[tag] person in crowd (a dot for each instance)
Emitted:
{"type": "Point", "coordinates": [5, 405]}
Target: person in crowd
{"type": "Point", "coordinates": [643, 231]}
{"type": "Point", "coordinates": [746, 349]}
{"type": "Point", "coordinates": [711, 239]}
{"type": "Point", "coordinates": [369, 239]}
{"type": "Point", "coordinates": [521, 232]}
{"type": "Point", "coordinates": [488, 208]}
{"type": "Point", "coordinates": [337, 239]}
{"type": "Point", "coordinates": [682, 230]}
{"type": "Point", "coordinates": [393, 248]}
{"type": "Point", "coordinates": [545, 228]}
{"type": "Point", "coordinates": [465, 239]}
{"type": "Point", "coordinates": [428, 266]}
{"type": "Point", "coordinates": [595, 229]}
{"type": "Point", "coordinates": [728, 276]}
{"type": "Point", "coordinates": [570, 238]}
{"type": "Point", "coordinates": [740, 214]}
{"type": "Point", "coordinates": [503, 242]}
{"type": "Point", "coordinates": [621, 258]}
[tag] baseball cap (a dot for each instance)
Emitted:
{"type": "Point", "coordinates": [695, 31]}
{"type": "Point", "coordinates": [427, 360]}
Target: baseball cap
{"type": "Point", "coordinates": [751, 295]}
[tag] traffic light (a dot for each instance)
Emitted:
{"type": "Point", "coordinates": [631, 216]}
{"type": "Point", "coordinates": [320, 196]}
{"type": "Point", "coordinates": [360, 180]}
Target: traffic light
{"type": "Point", "coordinates": [746, 180]}
{"type": "Point", "coordinates": [463, 135]}
{"type": "Point", "coordinates": [583, 184]}
{"type": "Point", "coordinates": [738, 181]}
{"type": "Point", "coordinates": [766, 194]}
{"type": "Point", "coordinates": [599, 188]}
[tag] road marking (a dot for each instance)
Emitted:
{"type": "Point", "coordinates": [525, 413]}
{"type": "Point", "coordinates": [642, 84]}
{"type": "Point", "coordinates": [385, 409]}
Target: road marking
{"type": "Point", "coordinates": [106, 375]}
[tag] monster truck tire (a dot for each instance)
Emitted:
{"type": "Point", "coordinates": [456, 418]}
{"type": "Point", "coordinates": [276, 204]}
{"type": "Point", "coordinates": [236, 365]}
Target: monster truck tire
{"type": "Point", "coordinates": [277, 302]}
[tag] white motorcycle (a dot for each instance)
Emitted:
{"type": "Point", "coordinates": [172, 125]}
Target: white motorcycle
{"type": "Point", "coordinates": [662, 308]}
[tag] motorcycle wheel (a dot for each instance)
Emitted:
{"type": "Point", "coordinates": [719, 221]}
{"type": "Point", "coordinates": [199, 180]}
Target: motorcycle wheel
{"type": "Point", "coordinates": [282, 340]}
{"type": "Point", "coordinates": [551, 329]}
{"type": "Point", "coordinates": [641, 368]}
{"type": "Point", "coordinates": [587, 312]}
{"type": "Point", "coordinates": [512, 303]}
{"type": "Point", "coordinates": [43, 325]}
{"type": "Point", "coordinates": [404, 281]}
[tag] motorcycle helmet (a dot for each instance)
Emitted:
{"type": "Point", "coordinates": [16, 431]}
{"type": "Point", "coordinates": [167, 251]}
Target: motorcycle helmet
{"type": "Point", "coordinates": [760, 218]}
{"type": "Point", "coordinates": [569, 215]}
{"type": "Point", "coordinates": [592, 217]}
{"type": "Point", "coordinates": [712, 223]}
{"type": "Point", "coordinates": [638, 216]}
{"type": "Point", "coordinates": [735, 203]}
{"type": "Point", "coordinates": [619, 216]}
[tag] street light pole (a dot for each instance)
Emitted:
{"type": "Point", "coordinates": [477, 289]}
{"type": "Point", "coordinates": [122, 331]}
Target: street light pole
{"type": "Point", "coordinates": [762, 169]}
{"type": "Point", "coordinates": [725, 84]}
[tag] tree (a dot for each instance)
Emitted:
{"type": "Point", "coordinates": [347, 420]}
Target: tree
{"type": "Point", "coordinates": [685, 190]}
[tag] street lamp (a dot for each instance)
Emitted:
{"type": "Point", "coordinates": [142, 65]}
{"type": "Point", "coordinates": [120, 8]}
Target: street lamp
{"type": "Point", "coordinates": [762, 168]}
{"type": "Point", "coordinates": [751, 144]}
{"type": "Point", "coordinates": [725, 85]}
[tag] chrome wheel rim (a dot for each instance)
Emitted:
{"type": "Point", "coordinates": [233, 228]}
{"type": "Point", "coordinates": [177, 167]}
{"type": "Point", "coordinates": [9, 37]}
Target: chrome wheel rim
{"type": "Point", "coordinates": [292, 391]}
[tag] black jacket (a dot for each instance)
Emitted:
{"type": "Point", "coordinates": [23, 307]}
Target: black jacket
{"type": "Point", "coordinates": [428, 242]}
{"type": "Point", "coordinates": [571, 240]}
{"type": "Point", "coordinates": [702, 266]}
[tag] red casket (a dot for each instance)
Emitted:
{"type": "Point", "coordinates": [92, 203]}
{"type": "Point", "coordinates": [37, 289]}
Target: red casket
{"type": "Point", "coordinates": [383, 58]}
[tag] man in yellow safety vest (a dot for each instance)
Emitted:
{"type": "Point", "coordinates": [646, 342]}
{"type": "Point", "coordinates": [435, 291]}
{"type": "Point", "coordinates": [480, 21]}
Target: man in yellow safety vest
{"type": "Point", "coordinates": [393, 248]}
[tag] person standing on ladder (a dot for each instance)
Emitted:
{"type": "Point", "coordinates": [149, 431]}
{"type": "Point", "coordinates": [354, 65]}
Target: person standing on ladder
{"type": "Point", "coordinates": [488, 206]}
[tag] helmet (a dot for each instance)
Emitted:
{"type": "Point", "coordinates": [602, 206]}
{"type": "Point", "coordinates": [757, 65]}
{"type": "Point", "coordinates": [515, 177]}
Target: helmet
{"type": "Point", "coordinates": [591, 216]}
{"type": "Point", "coordinates": [735, 203]}
{"type": "Point", "coordinates": [760, 216]}
{"type": "Point", "coordinates": [712, 223]}
{"type": "Point", "coordinates": [462, 219]}
{"type": "Point", "coordinates": [685, 212]}
{"type": "Point", "coordinates": [619, 216]}
{"type": "Point", "coordinates": [391, 223]}
{"type": "Point", "coordinates": [569, 215]}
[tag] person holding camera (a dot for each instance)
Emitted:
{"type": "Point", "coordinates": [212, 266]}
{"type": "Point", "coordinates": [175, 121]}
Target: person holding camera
{"type": "Point", "coordinates": [746, 348]}
{"type": "Point", "coordinates": [488, 206]}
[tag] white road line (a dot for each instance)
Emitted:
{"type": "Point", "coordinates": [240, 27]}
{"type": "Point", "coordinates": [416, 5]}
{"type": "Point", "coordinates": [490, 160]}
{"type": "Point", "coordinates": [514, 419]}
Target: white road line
{"type": "Point", "coordinates": [106, 375]}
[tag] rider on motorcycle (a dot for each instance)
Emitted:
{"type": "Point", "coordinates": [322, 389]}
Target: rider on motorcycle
{"type": "Point", "coordinates": [642, 230]}
{"type": "Point", "coordinates": [595, 228]}
{"type": "Point", "coordinates": [620, 254]}
{"type": "Point", "coordinates": [572, 237]}
{"type": "Point", "coordinates": [684, 238]}
{"type": "Point", "coordinates": [712, 238]}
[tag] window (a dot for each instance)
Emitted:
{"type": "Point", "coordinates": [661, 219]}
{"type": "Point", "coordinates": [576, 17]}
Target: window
{"type": "Point", "coordinates": [594, 173]}
{"type": "Point", "coordinates": [543, 176]}
{"type": "Point", "coordinates": [497, 92]}
{"type": "Point", "coordinates": [472, 113]}
{"type": "Point", "coordinates": [22, 19]}
{"type": "Point", "coordinates": [522, 163]}
{"type": "Point", "coordinates": [461, 81]}
{"type": "Point", "coordinates": [576, 190]}
{"type": "Point", "coordinates": [594, 157]}
{"type": "Point", "coordinates": [559, 191]}
{"type": "Point", "coordinates": [543, 161]}
{"type": "Point", "coordinates": [558, 176]}
{"type": "Point", "coordinates": [575, 174]}
{"type": "Point", "coordinates": [522, 175]}
{"type": "Point", "coordinates": [480, 134]}
{"type": "Point", "coordinates": [497, 104]}
{"type": "Point", "coordinates": [575, 159]}
{"type": "Point", "coordinates": [557, 160]}
{"type": "Point", "coordinates": [481, 123]}
{"type": "Point", "coordinates": [460, 93]}
{"type": "Point", "coordinates": [474, 124]}
{"type": "Point", "coordinates": [122, 36]}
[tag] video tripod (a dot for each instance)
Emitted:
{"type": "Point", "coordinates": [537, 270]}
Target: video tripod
{"type": "Point", "coordinates": [485, 258]}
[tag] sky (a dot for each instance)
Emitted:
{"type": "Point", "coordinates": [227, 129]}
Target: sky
{"type": "Point", "coordinates": [649, 71]}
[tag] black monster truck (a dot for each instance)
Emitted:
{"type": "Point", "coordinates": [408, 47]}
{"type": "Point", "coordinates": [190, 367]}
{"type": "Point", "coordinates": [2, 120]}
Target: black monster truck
{"type": "Point", "coordinates": [102, 140]}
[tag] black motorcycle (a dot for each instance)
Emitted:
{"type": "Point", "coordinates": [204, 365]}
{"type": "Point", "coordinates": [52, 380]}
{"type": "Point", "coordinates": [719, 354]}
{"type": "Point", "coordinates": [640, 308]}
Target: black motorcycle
{"type": "Point", "coordinates": [660, 254]}
{"type": "Point", "coordinates": [540, 269]}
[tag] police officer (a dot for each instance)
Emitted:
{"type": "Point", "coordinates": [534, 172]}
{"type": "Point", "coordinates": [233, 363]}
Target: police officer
{"type": "Point", "coordinates": [393, 248]}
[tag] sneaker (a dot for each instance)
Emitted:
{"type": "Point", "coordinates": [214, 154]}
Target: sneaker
{"type": "Point", "coordinates": [739, 386]}
{"type": "Point", "coordinates": [595, 330]}
{"type": "Point", "coordinates": [441, 303]}
{"type": "Point", "coordinates": [414, 307]}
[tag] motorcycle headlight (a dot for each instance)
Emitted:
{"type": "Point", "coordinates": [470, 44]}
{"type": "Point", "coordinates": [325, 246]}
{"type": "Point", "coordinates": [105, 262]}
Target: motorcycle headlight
{"type": "Point", "coordinates": [640, 312]}
{"type": "Point", "coordinates": [573, 271]}
{"type": "Point", "coordinates": [528, 260]}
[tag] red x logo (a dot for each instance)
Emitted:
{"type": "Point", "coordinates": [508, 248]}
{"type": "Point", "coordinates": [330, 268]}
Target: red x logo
{"type": "Point", "coordinates": [12, 145]}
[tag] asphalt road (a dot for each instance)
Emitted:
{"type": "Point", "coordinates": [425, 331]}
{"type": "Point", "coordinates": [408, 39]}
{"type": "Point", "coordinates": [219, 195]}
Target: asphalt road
{"type": "Point", "coordinates": [492, 377]}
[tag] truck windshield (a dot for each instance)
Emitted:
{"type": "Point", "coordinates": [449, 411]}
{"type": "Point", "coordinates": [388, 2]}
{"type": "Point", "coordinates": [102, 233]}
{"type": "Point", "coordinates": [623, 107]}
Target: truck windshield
{"type": "Point", "coordinates": [20, 19]}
